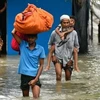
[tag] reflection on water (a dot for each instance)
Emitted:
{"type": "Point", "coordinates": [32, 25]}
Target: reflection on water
{"type": "Point", "coordinates": [84, 85]}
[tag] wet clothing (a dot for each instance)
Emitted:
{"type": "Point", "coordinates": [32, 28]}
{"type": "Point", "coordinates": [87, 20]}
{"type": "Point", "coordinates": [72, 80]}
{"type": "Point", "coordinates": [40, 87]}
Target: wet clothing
{"type": "Point", "coordinates": [54, 38]}
{"type": "Point", "coordinates": [25, 80]}
{"type": "Point", "coordinates": [29, 59]}
{"type": "Point", "coordinates": [64, 53]}
{"type": "Point", "coordinates": [69, 68]}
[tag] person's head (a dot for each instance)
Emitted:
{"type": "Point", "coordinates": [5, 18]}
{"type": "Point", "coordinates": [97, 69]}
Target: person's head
{"type": "Point", "coordinates": [72, 20]}
{"type": "Point", "coordinates": [65, 21]}
{"type": "Point", "coordinates": [31, 38]}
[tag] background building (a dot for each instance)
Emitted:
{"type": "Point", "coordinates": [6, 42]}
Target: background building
{"type": "Point", "coordinates": [79, 8]}
{"type": "Point", "coordinates": [55, 7]}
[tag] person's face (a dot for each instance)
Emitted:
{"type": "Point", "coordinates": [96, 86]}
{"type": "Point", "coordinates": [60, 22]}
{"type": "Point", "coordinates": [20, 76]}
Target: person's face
{"type": "Point", "coordinates": [31, 39]}
{"type": "Point", "coordinates": [72, 22]}
{"type": "Point", "coordinates": [65, 23]}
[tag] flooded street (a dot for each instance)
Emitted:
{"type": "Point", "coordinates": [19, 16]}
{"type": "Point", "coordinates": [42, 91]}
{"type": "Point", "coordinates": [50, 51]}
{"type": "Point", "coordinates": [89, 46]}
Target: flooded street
{"type": "Point", "coordinates": [84, 85]}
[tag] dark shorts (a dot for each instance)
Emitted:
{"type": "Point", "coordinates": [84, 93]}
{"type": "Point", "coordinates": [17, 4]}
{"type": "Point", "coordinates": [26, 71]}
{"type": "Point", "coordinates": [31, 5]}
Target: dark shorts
{"type": "Point", "coordinates": [70, 69]}
{"type": "Point", "coordinates": [25, 80]}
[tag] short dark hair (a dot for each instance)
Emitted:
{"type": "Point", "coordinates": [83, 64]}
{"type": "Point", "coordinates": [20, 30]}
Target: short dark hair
{"type": "Point", "coordinates": [31, 35]}
{"type": "Point", "coordinates": [73, 17]}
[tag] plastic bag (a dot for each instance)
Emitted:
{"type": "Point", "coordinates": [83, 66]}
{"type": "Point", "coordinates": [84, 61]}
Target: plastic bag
{"type": "Point", "coordinates": [14, 44]}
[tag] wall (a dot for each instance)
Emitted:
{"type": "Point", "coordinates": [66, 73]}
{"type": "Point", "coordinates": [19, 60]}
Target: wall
{"type": "Point", "coordinates": [3, 25]}
{"type": "Point", "coordinates": [55, 7]}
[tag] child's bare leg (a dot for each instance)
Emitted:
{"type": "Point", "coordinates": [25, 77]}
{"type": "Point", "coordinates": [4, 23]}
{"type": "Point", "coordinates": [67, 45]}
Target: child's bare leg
{"type": "Point", "coordinates": [76, 60]}
{"type": "Point", "coordinates": [51, 51]}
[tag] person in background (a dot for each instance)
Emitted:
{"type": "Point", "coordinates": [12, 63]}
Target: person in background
{"type": "Point", "coordinates": [2, 6]}
{"type": "Point", "coordinates": [31, 64]}
{"type": "Point", "coordinates": [1, 43]}
{"type": "Point", "coordinates": [3, 27]}
{"type": "Point", "coordinates": [63, 54]}
{"type": "Point", "coordinates": [63, 36]}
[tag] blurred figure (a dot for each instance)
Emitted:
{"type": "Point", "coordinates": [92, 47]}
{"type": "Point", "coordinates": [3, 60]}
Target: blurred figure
{"type": "Point", "coordinates": [1, 43]}
{"type": "Point", "coordinates": [3, 26]}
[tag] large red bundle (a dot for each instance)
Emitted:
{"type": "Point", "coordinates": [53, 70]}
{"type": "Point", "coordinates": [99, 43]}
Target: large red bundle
{"type": "Point", "coordinates": [33, 20]}
{"type": "Point", "coordinates": [14, 44]}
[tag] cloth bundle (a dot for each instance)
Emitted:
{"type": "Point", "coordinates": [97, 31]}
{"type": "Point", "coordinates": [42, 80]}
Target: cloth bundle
{"type": "Point", "coordinates": [33, 20]}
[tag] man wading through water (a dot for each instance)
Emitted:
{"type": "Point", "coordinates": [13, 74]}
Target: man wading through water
{"type": "Point", "coordinates": [63, 54]}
